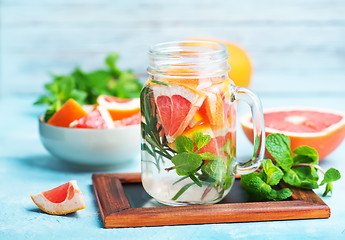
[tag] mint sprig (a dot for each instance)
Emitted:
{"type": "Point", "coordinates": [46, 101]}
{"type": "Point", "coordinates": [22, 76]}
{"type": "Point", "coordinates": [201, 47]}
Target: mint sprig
{"type": "Point", "coordinates": [85, 87]}
{"type": "Point", "coordinates": [298, 171]}
{"type": "Point", "coordinates": [187, 162]}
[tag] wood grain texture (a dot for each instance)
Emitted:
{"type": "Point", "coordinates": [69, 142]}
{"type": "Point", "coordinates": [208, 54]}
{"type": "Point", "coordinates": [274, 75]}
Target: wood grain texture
{"type": "Point", "coordinates": [304, 205]}
{"type": "Point", "coordinates": [294, 45]}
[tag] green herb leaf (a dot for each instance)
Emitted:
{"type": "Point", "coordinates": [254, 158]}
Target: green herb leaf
{"type": "Point", "coordinates": [184, 144]}
{"type": "Point", "coordinates": [186, 163]}
{"type": "Point", "coordinates": [257, 188]}
{"type": "Point", "coordinates": [273, 173]}
{"type": "Point", "coordinates": [201, 140]}
{"type": "Point", "coordinates": [331, 175]}
{"type": "Point", "coordinates": [302, 177]}
{"type": "Point", "coordinates": [182, 190]}
{"type": "Point", "coordinates": [110, 61]}
{"type": "Point", "coordinates": [278, 145]}
{"type": "Point", "coordinates": [159, 82]}
{"type": "Point", "coordinates": [214, 170]}
{"type": "Point", "coordinates": [278, 195]}
{"type": "Point", "coordinates": [195, 180]}
{"type": "Point", "coordinates": [256, 145]}
{"type": "Point", "coordinates": [306, 154]}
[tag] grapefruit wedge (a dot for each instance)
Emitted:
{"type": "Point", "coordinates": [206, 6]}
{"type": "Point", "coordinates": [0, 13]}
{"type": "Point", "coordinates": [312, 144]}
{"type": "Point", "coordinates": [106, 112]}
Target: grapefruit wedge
{"type": "Point", "coordinates": [61, 200]}
{"type": "Point", "coordinates": [176, 106]}
{"type": "Point", "coordinates": [98, 119]}
{"type": "Point", "coordinates": [69, 112]}
{"type": "Point", "coordinates": [321, 129]}
{"type": "Point", "coordinates": [119, 108]}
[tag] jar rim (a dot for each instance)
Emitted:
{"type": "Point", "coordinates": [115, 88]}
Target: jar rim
{"type": "Point", "coordinates": [203, 58]}
{"type": "Point", "coordinates": [178, 45]}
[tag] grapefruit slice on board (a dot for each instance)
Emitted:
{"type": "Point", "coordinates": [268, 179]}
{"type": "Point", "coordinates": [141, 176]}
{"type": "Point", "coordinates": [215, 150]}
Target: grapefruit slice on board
{"type": "Point", "coordinates": [61, 200]}
{"type": "Point", "coordinates": [69, 112]}
{"type": "Point", "coordinates": [321, 129]}
{"type": "Point", "coordinates": [98, 118]}
{"type": "Point", "coordinates": [176, 106]}
{"type": "Point", "coordinates": [119, 108]}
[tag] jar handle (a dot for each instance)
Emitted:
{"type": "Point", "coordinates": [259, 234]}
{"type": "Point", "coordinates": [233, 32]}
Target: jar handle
{"type": "Point", "coordinates": [246, 95]}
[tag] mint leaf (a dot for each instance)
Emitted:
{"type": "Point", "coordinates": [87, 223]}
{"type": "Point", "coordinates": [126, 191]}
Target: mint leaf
{"type": "Point", "coordinates": [184, 144]}
{"type": "Point", "coordinates": [255, 185]}
{"type": "Point", "coordinates": [214, 170]}
{"type": "Point", "coordinates": [331, 175]}
{"type": "Point", "coordinates": [110, 62]}
{"type": "Point", "coordinates": [306, 154]}
{"type": "Point", "coordinates": [278, 145]}
{"type": "Point", "coordinates": [278, 195]}
{"type": "Point", "coordinates": [302, 177]}
{"type": "Point", "coordinates": [273, 173]}
{"type": "Point", "coordinates": [186, 163]}
{"type": "Point", "coordinates": [201, 140]}
{"type": "Point", "coordinates": [257, 188]}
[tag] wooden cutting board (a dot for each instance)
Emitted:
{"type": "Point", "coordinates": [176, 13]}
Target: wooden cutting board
{"type": "Point", "coordinates": [123, 202]}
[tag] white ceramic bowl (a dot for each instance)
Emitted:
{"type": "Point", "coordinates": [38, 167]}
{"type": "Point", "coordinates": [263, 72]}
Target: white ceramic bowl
{"type": "Point", "coordinates": [91, 147]}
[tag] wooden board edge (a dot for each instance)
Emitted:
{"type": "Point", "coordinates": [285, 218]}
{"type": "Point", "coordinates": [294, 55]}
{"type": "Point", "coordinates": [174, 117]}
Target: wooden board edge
{"type": "Point", "coordinates": [222, 213]}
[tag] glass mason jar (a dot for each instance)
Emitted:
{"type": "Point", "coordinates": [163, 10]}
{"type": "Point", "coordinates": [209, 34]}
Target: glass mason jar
{"type": "Point", "coordinates": [188, 129]}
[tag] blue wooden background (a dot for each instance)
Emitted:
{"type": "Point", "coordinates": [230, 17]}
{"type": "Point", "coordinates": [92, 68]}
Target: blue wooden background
{"type": "Point", "coordinates": [296, 46]}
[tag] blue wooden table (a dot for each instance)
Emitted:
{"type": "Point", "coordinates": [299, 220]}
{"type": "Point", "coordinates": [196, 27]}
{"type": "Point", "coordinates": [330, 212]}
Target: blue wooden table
{"type": "Point", "coordinates": [297, 49]}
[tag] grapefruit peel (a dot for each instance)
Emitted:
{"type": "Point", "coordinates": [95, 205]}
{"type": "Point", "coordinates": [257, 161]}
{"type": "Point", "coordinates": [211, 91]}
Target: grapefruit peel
{"type": "Point", "coordinates": [64, 199]}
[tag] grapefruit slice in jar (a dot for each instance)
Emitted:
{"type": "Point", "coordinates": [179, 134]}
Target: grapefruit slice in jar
{"type": "Point", "coordinates": [321, 129]}
{"type": "Point", "coordinates": [119, 108]}
{"type": "Point", "coordinates": [176, 106]}
{"type": "Point", "coordinates": [64, 199]}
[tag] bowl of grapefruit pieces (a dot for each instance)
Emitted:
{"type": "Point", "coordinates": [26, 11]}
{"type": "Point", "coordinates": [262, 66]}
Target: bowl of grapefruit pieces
{"type": "Point", "coordinates": [100, 135]}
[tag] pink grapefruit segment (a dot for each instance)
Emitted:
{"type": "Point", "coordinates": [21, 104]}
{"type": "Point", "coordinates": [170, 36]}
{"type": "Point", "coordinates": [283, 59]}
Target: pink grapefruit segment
{"type": "Point", "coordinates": [98, 119]}
{"type": "Point", "coordinates": [176, 106]}
{"type": "Point", "coordinates": [321, 129]}
{"type": "Point", "coordinates": [61, 200]}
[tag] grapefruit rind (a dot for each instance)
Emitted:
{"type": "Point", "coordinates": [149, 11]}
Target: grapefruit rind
{"type": "Point", "coordinates": [69, 205]}
{"type": "Point", "coordinates": [324, 141]}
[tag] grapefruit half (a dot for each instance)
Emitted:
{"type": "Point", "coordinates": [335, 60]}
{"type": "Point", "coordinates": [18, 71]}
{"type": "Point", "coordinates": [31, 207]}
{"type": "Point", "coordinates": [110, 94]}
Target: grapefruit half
{"type": "Point", "coordinates": [176, 107]}
{"type": "Point", "coordinates": [321, 129]}
{"type": "Point", "coordinates": [119, 108]}
{"type": "Point", "coordinates": [64, 199]}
